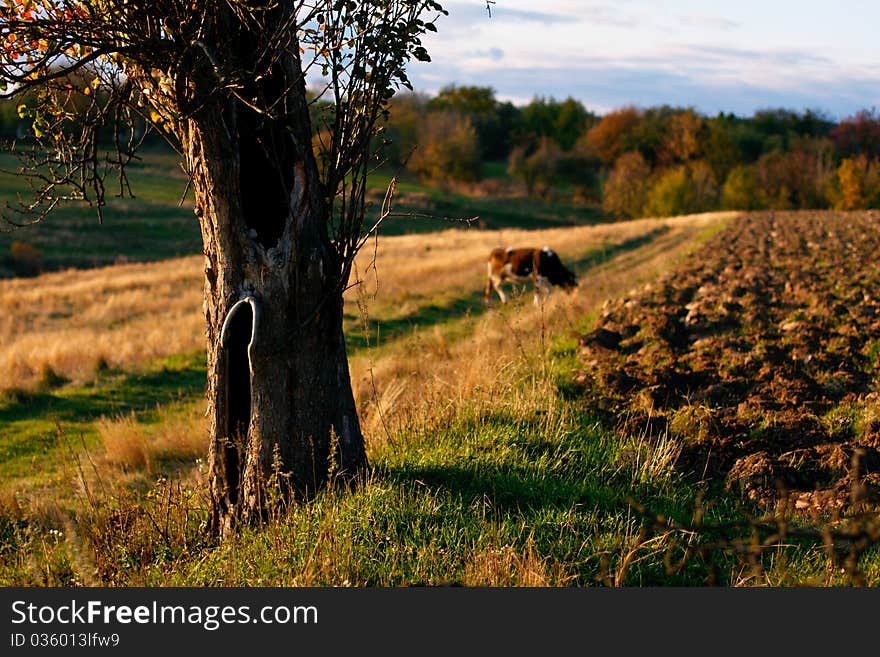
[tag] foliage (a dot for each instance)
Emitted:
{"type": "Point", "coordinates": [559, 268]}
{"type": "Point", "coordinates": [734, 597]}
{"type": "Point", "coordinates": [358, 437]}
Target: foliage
{"type": "Point", "coordinates": [740, 190]}
{"type": "Point", "coordinates": [563, 122]}
{"type": "Point", "coordinates": [858, 134]}
{"type": "Point", "coordinates": [685, 137]}
{"type": "Point", "coordinates": [780, 127]}
{"type": "Point", "coordinates": [722, 151]}
{"type": "Point", "coordinates": [614, 135]}
{"type": "Point", "coordinates": [494, 122]}
{"type": "Point", "coordinates": [626, 188]}
{"type": "Point", "coordinates": [538, 169]}
{"type": "Point", "coordinates": [25, 259]}
{"type": "Point", "coordinates": [90, 64]}
{"type": "Point", "coordinates": [548, 167]}
{"type": "Point", "coordinates": [792, 156]}
{"type": "Point", "coordinates": [796, 178]}
{"type": "Point", "coordinates": [858, 184]}
{"type": "Point", "coordinates": [682, 190]}
{"type": "Point", "coordinates": [447, 149]}
{"type": "Point", "coordinates": [400, 136]}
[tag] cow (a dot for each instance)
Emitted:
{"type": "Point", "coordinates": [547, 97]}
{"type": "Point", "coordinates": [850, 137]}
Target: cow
{"type": "Point", "coordinates": [542, 266]}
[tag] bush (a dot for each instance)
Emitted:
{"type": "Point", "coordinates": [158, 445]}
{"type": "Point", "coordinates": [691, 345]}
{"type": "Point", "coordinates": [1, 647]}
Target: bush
{"type": "Point", "coordinates": [857, 184]}
{"type": "Point", "coordinates": [25, 259]}
{"type": "Point", "coordinates": [537, 170]}
{"type": "Point", "coordinates": [704, 185]}
{"type": "Point", "coordinates": [448, 149]}
{"type": "Point", "coordinates": [682, 190]}
{"type": "Point", "coordinates": [625, 189]}
{"type": "Point", "coordinates": [797, 178]}
{"type": "Point", "coordinates": [615, 134]}
{"type": "Point", "coordinates": [400, 134]}
{"type": "Point", "coordinates": [740, 192]}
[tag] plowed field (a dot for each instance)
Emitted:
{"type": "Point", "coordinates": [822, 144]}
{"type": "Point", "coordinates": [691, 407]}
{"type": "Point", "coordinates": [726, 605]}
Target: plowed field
{"type": "Point", "coordinates": [760, 358]}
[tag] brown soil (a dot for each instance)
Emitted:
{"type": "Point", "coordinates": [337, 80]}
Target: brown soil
{"type": "Point", "coordinates": [761, 356]}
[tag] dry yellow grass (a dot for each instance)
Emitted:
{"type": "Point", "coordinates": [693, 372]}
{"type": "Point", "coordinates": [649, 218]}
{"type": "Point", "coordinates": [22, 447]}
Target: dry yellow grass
{"type": "Point", "coordinates": [120, 316]}
{"type": "Point", "coordinates": [420, 375]}
{"type": "Point", "coordinates": [124, 441]}
{"type": "Point", "coordinates": [507, 566]}
{"type": "Point", "coordinates": [126, 315]}
{"type": "Point", "coordinates": [177, 434]}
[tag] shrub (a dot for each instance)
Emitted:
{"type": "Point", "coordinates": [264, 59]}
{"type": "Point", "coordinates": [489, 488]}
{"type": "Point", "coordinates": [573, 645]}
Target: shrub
{"type": "Point", "coordinates": [857, 184]}
{"type": "Point", "coordinates": [448, 149]}
{"type": "Point", "coordinates": [682, 190]}
{"type": "Point", "coordinates": [797, 178]}
{"type": "Point", "coordinates": [705, 186]}
{"type": "Point", "coordinates": [539, 169]}
{"type": "Point", "coordinates": [669, 195]}
{"type": "Point", "coordinates": [625, 189]}
{"type": "Point", "coordinates": [26, 259]}
{"type": "Point", "coordinates": [740, 192]}
{"type": "Point", "coordinates": [400, 134]}
{"type": "Point", "coordinates": [614, 134]}
{"type": "Point", "coordinates": [685, 135]}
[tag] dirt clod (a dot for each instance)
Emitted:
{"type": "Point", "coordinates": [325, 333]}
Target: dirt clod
{"type": "Point", "coordinates": [761, 354]}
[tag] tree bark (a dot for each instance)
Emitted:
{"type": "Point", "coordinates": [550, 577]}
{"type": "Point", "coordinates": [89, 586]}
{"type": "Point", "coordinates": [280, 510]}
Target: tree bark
{"type": "Point", "coordinates": [283, 416]}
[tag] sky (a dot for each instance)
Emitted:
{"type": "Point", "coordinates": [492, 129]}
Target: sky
{"type": "Point", "coordinates": [713, 56]}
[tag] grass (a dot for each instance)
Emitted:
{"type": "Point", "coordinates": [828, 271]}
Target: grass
{"type": "Point", "coordinates": [153, 226]}
{"type": "Point", "coordinates": [495, 206]}
{"type": "Point", "coordinates": [482, 473]}
{"type": "Point", "coordinates": [485, 468]}
{"type": "Point", "coordinates": [158, 223]}
{"type": "Point", "coordinates": [34, 422]}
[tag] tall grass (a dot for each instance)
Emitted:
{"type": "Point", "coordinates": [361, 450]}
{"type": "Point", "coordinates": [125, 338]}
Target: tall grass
{"type": "Point", "coordinates": [76, 323]}
{"type": "Point", "coordinates": [80, 322]}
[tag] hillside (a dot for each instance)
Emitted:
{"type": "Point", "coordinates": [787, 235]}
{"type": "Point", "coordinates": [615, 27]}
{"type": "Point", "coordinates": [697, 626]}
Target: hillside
{"type": "Point", "coordinates": [158, 222]}
{"type": "Point", "coordinates": [508, 445]}
{"type": "Point", "coordinates": [460, 406]}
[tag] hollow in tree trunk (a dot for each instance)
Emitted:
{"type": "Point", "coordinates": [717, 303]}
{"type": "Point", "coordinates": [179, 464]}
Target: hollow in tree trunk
{"type": "Point", "coordinates": [279, 391]}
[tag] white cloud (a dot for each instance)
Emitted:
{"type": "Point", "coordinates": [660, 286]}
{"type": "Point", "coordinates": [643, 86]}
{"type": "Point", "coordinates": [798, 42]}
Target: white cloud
{"type": "Point", "coordinates": [712, 55]}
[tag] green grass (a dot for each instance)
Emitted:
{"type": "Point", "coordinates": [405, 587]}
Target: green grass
{"type": "Point", "coordinates": [39, 427]}
{"type": "Point", "coordinates": [493, 211]}
{"type": "Point", "coordinates": [522, 490]}
{"type": "Point", "coordinates": [440, 507]}
{"type": "Point", "coordinates": [151, 226]}
{"type": "Point", "coordinates": [155, 226]}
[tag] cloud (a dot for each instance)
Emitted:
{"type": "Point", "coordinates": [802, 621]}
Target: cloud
{"type": "Point", "coordinates": [474, 12]}
{"type": "Point", "coordinates": [710, 22]}
{"type": "Point", "coordinates": [787, 57]}
{"type": "Point", "coordinates": [612, 54]}
{"type": "Point", "coordinates": [605, 84]}
{"type": "Point", "coordinates": [494, 54]}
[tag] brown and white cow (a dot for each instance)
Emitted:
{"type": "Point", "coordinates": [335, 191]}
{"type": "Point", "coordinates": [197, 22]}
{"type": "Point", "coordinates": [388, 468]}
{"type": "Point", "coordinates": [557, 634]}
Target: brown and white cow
{"type": "Point", "coordinates": [541, 266]}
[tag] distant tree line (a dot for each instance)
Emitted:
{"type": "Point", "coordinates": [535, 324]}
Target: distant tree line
{"type": "Point", "coordinates": [632, 161]}
{"type": "Point", "coordinates": [640, 161]}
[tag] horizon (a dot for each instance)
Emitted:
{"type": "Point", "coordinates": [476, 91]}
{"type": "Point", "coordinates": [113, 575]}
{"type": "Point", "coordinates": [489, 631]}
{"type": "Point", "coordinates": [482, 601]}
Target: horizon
{"type": "Point", "coordinates": [711, 57]}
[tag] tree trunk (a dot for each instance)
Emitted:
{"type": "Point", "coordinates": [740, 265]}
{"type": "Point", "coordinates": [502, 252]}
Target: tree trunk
{"type": "Point", "coordinates": [283, 417]}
